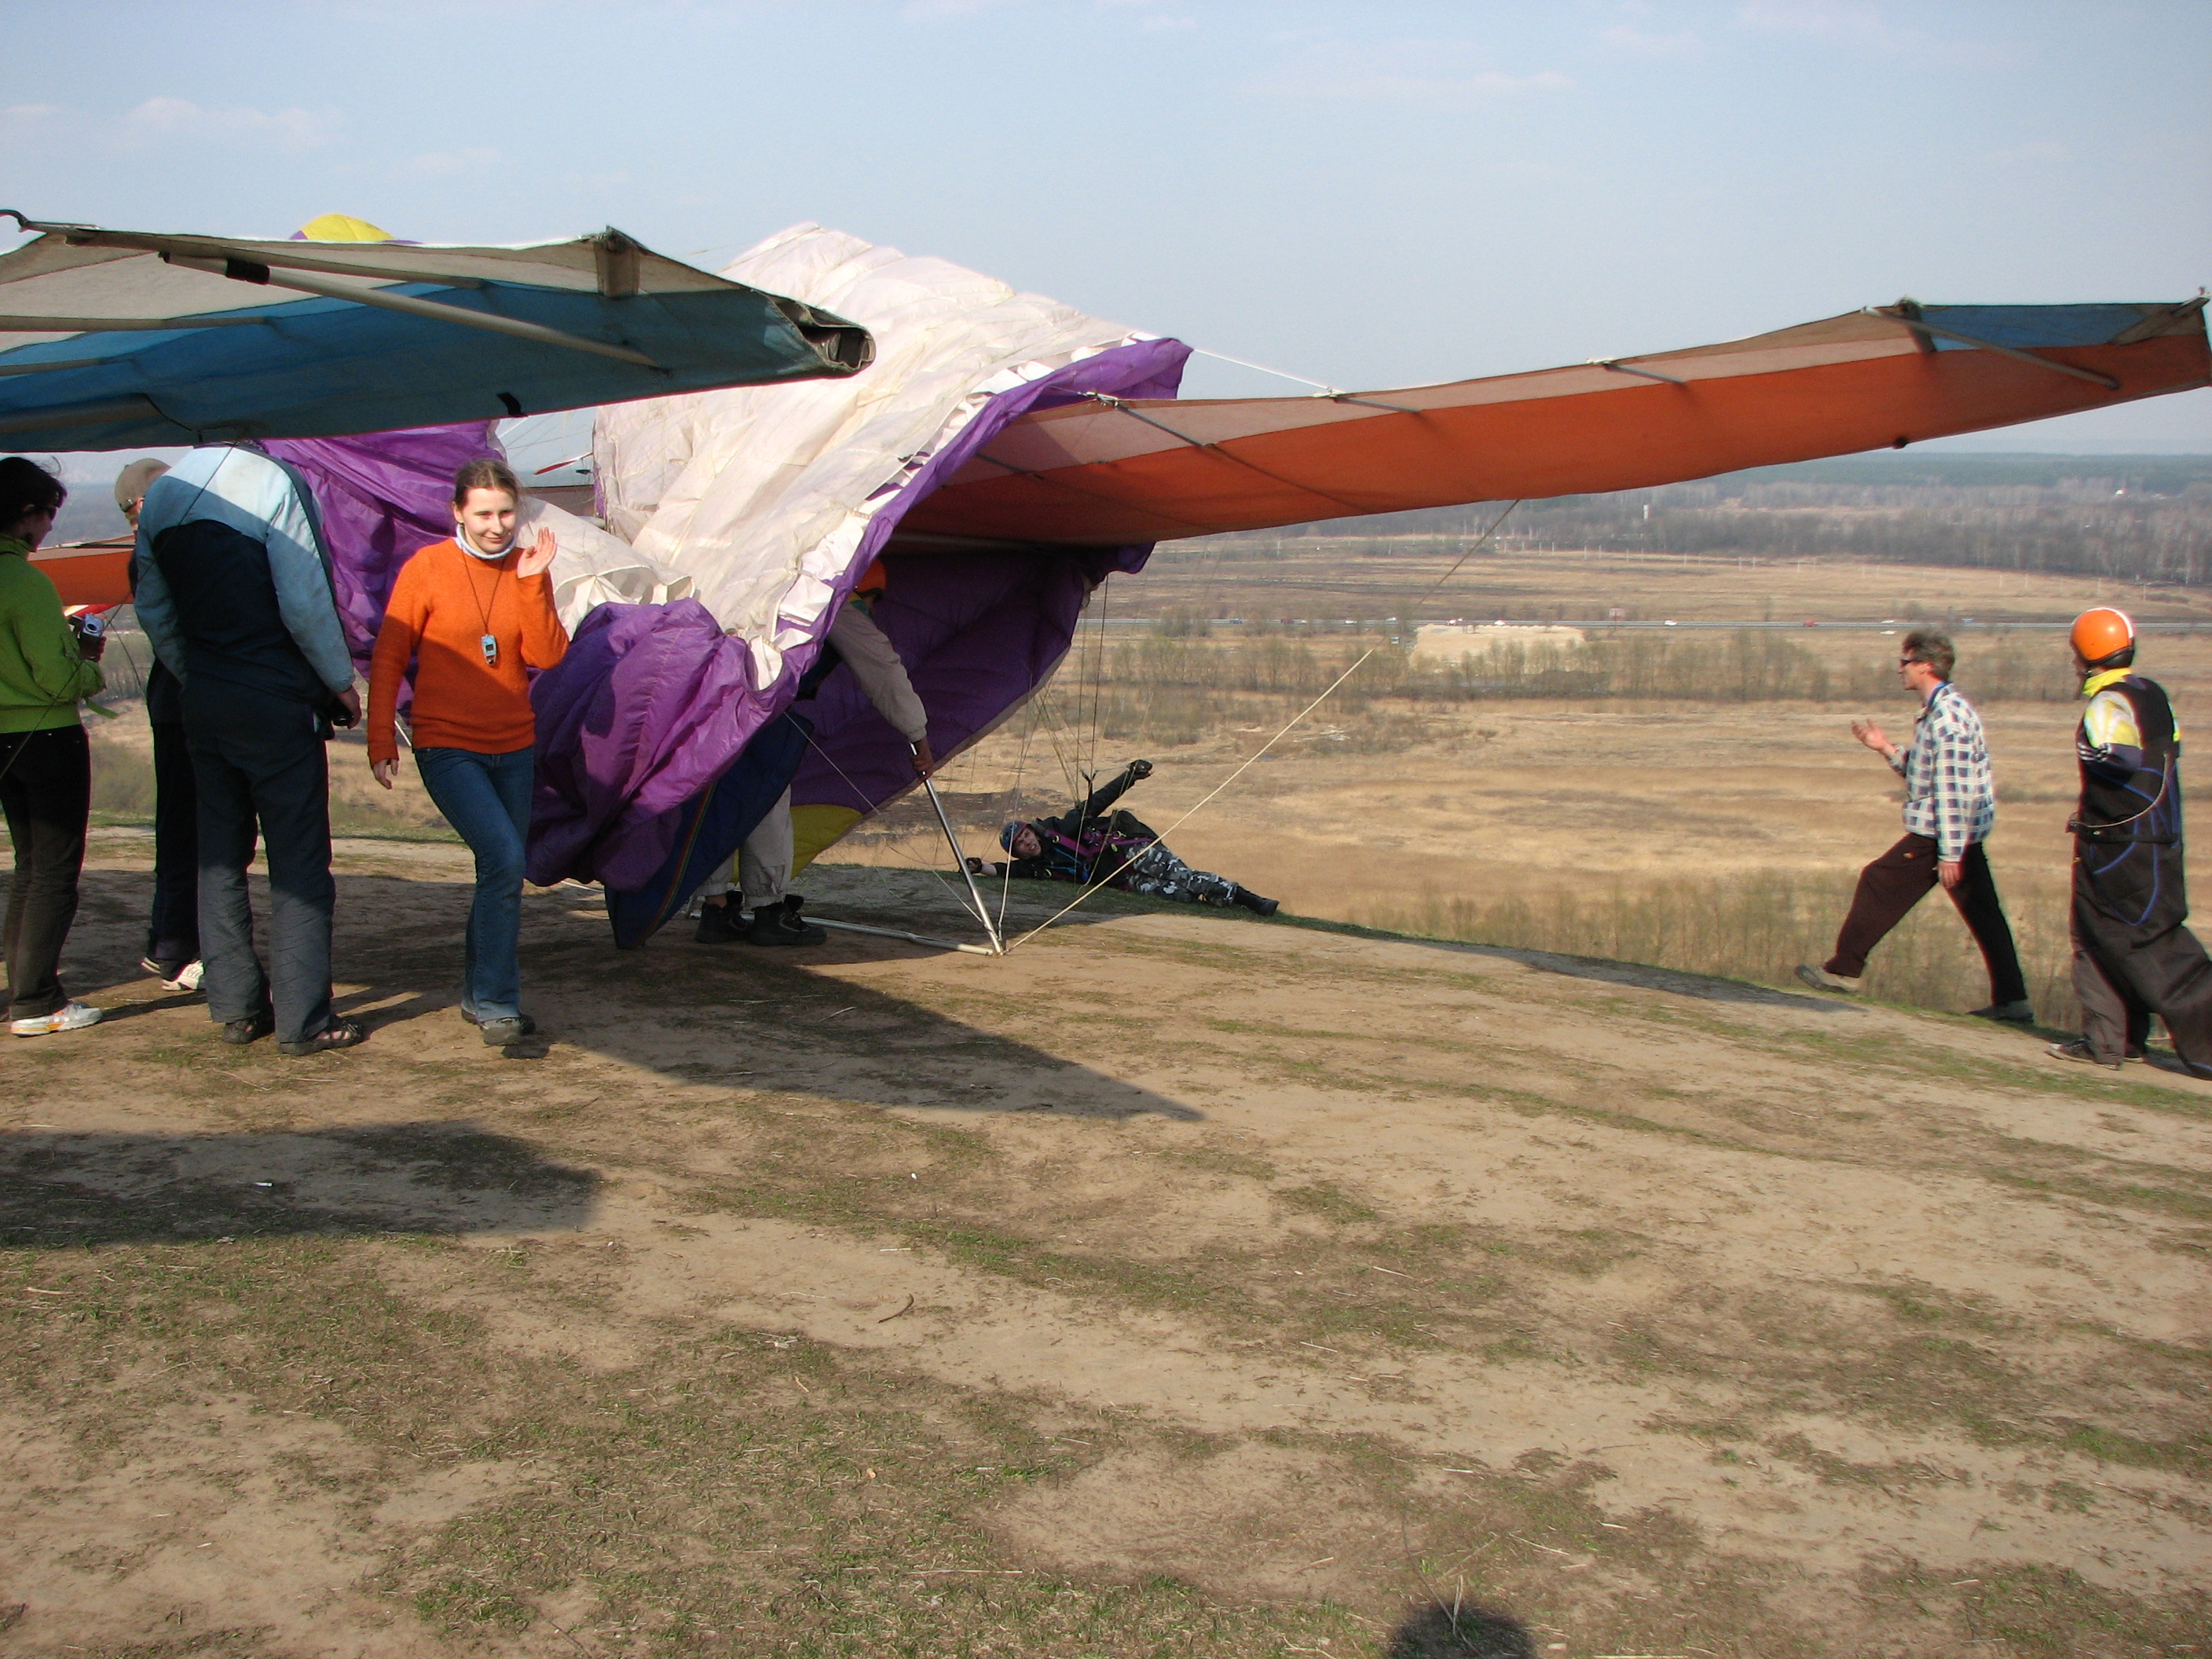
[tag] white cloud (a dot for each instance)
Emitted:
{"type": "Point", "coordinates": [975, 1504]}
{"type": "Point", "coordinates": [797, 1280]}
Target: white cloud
{"type": "Point", "coordinates": [1627, 38]}
{"type": "Point", "coordinates": [1861, 27]}
{"type": "Point", "coordinates": [1405, 71]}
{"type": "Point", "coordinates": [168, 119]}
{"type": "Point", "coordinates": [926, 11]}
{"type": "Point", "coordinates": [439, 163]}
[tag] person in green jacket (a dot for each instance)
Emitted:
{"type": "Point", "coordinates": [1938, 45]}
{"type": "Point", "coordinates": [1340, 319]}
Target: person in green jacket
{"type": "Point", "coordinates": [45, 765]}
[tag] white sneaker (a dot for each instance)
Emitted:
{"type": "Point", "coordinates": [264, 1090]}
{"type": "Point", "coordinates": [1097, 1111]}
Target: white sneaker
{"type": "Point", "coordinates": [187, 979]}
{"type": "Point", "coordinates": [69, 1017]}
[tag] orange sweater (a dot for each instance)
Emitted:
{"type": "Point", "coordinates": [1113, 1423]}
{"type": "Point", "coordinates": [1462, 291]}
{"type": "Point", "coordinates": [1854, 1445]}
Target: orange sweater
{"type": "Point", "coordinates": [443, 603]}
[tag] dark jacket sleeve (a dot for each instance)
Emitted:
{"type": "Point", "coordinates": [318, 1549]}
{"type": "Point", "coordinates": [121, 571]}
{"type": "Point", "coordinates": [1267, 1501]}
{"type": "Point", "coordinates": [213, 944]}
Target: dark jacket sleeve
{"type": "Point", "coordinates": [1104, 797]}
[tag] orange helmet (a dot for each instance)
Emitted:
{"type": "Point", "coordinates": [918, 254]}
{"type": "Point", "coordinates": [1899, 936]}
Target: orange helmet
{"type": "Point", "coordinates": [875, 579]}
{"type": "Point", "coordinates": [2101, 634]}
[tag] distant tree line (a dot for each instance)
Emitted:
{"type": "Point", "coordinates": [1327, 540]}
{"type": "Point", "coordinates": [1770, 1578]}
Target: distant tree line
{"type": "Point", "coordinates": [2136, 519]}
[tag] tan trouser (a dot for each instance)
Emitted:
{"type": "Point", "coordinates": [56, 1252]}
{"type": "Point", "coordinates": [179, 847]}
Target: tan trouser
{"type": "Point", "coordinates": [762, 863]}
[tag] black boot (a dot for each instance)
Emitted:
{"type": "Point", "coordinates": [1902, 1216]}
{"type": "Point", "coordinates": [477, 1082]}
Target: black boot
{"type": "Point", "coordinates": [1252, 902]}
{"type": "Point", "coordinates": [780, 924]}
{"type": "Point", "coordinates": [719, 924]}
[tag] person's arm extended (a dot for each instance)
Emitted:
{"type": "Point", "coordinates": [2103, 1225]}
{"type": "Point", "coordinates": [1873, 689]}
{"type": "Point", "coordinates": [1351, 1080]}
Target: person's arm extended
{"type": "Point", "coordinates": [397, 636]}
{"type": "Point", "coordinates": [876, 665]}
{"type": "Point", "coordinates": [1101, 799]}
{"type": "Point", "coordinates": [304, 597]}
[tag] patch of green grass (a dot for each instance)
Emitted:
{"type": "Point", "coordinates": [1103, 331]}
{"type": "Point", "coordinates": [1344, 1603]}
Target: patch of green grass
{"type": "Point", "coordinates": [2025, 1611]}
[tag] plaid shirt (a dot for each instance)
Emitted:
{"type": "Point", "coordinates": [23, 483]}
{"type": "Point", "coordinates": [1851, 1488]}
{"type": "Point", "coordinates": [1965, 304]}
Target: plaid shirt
{"type": "Point", "coordinates": [1949, 793]}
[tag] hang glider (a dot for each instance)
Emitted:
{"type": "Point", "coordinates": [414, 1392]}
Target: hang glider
{"type": "Point", "coordinates": [1107, 471]}
{"type": "Point", "coordinates": [124, 339]}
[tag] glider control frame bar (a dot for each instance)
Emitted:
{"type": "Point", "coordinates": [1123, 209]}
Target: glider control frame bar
{"type": "Point", "coordinates": [895, 932]}
{"type": "Point", "coordinates": [255, 271]}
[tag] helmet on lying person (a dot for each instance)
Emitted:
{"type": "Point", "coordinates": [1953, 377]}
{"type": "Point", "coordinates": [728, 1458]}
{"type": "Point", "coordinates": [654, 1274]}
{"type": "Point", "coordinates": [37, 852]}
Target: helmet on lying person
{"type": "Point", "coordinates": [2104, 638]}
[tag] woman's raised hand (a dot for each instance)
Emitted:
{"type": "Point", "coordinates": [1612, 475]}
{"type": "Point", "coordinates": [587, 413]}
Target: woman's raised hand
{"type": "Point", "coordinates": [539, 558]}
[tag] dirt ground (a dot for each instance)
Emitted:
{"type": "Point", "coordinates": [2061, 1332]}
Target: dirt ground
{"type": "Point", "coordinates": [1182, 1283]}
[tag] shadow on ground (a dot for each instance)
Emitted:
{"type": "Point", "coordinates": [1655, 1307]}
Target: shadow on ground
{"type": "Point", "coordinates": [732, 1014]}
{"type": "Point", "coordinates": [75, 1189]}
{"type": "Point", "coordinates": [1464, 1632]}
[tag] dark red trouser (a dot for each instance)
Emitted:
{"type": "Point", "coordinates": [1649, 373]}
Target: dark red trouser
{"type": "Point", "coordinates": [1900, 879]}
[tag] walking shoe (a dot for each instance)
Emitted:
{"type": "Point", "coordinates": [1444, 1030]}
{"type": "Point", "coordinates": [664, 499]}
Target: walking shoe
{"type": "Point", "coordinates": [1252, 902]}
{"type": "Point", "coordinates": [2079, 1049]}
{"type": "Point", "coordinates": [498, 1033]}
{"type": "Point", "coordinates": [69, 1017]}
{"type": "Point", "coordinates": [185, 977]}
{"type": "Point", "coordinates": [339, 1034]}
{"type": "Point", "coordinates": [240, 1032]}
{"type": "Point", "coordinates": [2018, 1013]}
{"type": "Point", "coordinates": [1822, 979]}
{"type": "Point", "coordinates": [719, 924]}
{"type": "Point", "coordinates": [780, 924]}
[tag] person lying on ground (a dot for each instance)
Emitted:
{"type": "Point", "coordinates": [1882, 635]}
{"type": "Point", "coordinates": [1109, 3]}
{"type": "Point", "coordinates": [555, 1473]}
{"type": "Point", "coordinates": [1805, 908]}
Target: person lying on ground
{"type": "Point", "coordinates": [2133, 955]}
{"type": "Point", "coordinates": [1096, 842]}
{"type": "Point", "coordinates": [473, 612]}
{"type": "Point", "coordinates": [762, 865]}
{"type": "Point", "coordinates": [235, 594]}
{"type": "Point", "coordinates": [1950, 807]}
{"type": "Point", "coordinates": [47, 667]}
{"type": "Point", "coordinates": [172, 930]}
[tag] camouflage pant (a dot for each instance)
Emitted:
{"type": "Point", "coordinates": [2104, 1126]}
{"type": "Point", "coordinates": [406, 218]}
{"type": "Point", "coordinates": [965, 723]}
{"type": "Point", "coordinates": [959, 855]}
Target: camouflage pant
{"type": "Point", "coordinates": [1161, 874]}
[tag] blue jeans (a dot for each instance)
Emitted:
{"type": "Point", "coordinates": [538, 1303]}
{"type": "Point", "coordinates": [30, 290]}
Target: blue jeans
{"type": "Point", "coordinates": [487, 799]}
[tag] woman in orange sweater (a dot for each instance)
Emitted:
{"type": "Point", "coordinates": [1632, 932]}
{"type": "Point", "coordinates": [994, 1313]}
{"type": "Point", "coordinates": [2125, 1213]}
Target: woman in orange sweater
{"type": "Point", "coordinates": [471, 613]}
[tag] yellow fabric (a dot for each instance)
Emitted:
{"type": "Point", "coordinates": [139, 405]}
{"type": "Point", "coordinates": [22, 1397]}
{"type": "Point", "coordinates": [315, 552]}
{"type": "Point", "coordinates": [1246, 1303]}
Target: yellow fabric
{"type": "Point", "coordinates": [815, 829]}
{"type": "Point", "coordinates": [341, 227]}
{"type": "Point", "coordinates": [2098, 682]}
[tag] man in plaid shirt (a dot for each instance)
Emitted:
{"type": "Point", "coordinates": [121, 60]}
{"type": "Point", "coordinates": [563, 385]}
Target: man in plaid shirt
{"type": "Point", "coordinates": [1950, 805]}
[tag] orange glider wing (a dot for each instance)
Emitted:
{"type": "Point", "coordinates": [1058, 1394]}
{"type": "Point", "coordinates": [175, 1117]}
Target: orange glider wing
{"type": "Point", "coordinates": [1113, 471]}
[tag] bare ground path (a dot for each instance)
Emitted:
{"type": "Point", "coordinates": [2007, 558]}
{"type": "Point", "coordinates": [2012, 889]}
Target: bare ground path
{"type": "Point", "coordinates": [1181, 1285]}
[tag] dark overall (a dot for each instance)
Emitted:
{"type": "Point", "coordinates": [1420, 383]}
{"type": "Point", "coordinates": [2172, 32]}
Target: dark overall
{"type": "Point", "coordinates": [2132, 955]}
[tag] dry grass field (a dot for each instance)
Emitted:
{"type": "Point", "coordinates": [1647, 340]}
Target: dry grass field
{"type": "Point", "coordinates": [1181, 1285]}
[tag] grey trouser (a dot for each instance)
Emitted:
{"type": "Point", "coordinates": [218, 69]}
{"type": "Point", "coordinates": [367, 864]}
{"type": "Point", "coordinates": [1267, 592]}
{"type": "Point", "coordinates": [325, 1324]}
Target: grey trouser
{"type": "Point", "coordinates": [762, 863]}
{"type": "Point", "coordinates": [1160, 873]}
{"type": "Point", "coordinates": [258, 758]}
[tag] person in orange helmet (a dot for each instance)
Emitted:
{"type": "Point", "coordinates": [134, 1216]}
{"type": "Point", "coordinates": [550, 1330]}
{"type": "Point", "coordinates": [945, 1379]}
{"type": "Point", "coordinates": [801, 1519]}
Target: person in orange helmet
{"type": "Point", "coordinates": [2133, 957]}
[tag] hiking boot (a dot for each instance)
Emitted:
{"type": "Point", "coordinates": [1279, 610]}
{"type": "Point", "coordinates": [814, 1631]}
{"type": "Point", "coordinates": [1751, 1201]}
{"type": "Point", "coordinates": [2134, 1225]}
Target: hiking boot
{"type": "Point", "coordinates": [1252, 902]}
{"type": "Point", "coordinates": [719, 924]}
{"type": "Point", "coordinates": [339, 1034]}
{"type": "Point", "coordinates": [1822, 979]}
{"type": "Point", "coordinates": [240, 1032]}
{"type": "Point", "coordinates": [780, 924]}
{"type": "Point", "coordinates": [2017, 1013]}
{"type": "Point", "coordinates": [498, 1033]}
{"type": "Point", "coordinates": [2079, 1049]}
{"type": "Point", "coordinates": [69, 1017]}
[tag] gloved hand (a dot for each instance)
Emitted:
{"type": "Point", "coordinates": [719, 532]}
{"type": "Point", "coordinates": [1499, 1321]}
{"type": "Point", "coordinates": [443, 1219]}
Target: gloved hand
{"type": "Point", "coordinates": [1139, 770]}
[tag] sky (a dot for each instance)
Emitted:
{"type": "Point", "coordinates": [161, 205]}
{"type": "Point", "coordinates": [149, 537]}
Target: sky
{"type": "Point", "coordinates": [1368, 194]}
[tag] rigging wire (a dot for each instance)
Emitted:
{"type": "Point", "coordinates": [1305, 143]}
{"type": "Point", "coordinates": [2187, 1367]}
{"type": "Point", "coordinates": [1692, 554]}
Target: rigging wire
{"type": "Point", "coordinates": [1434, 587]}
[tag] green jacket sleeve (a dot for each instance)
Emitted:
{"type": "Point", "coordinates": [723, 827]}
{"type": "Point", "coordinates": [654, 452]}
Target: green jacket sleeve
{"type": "Point", "coordinates": [46, 662]}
